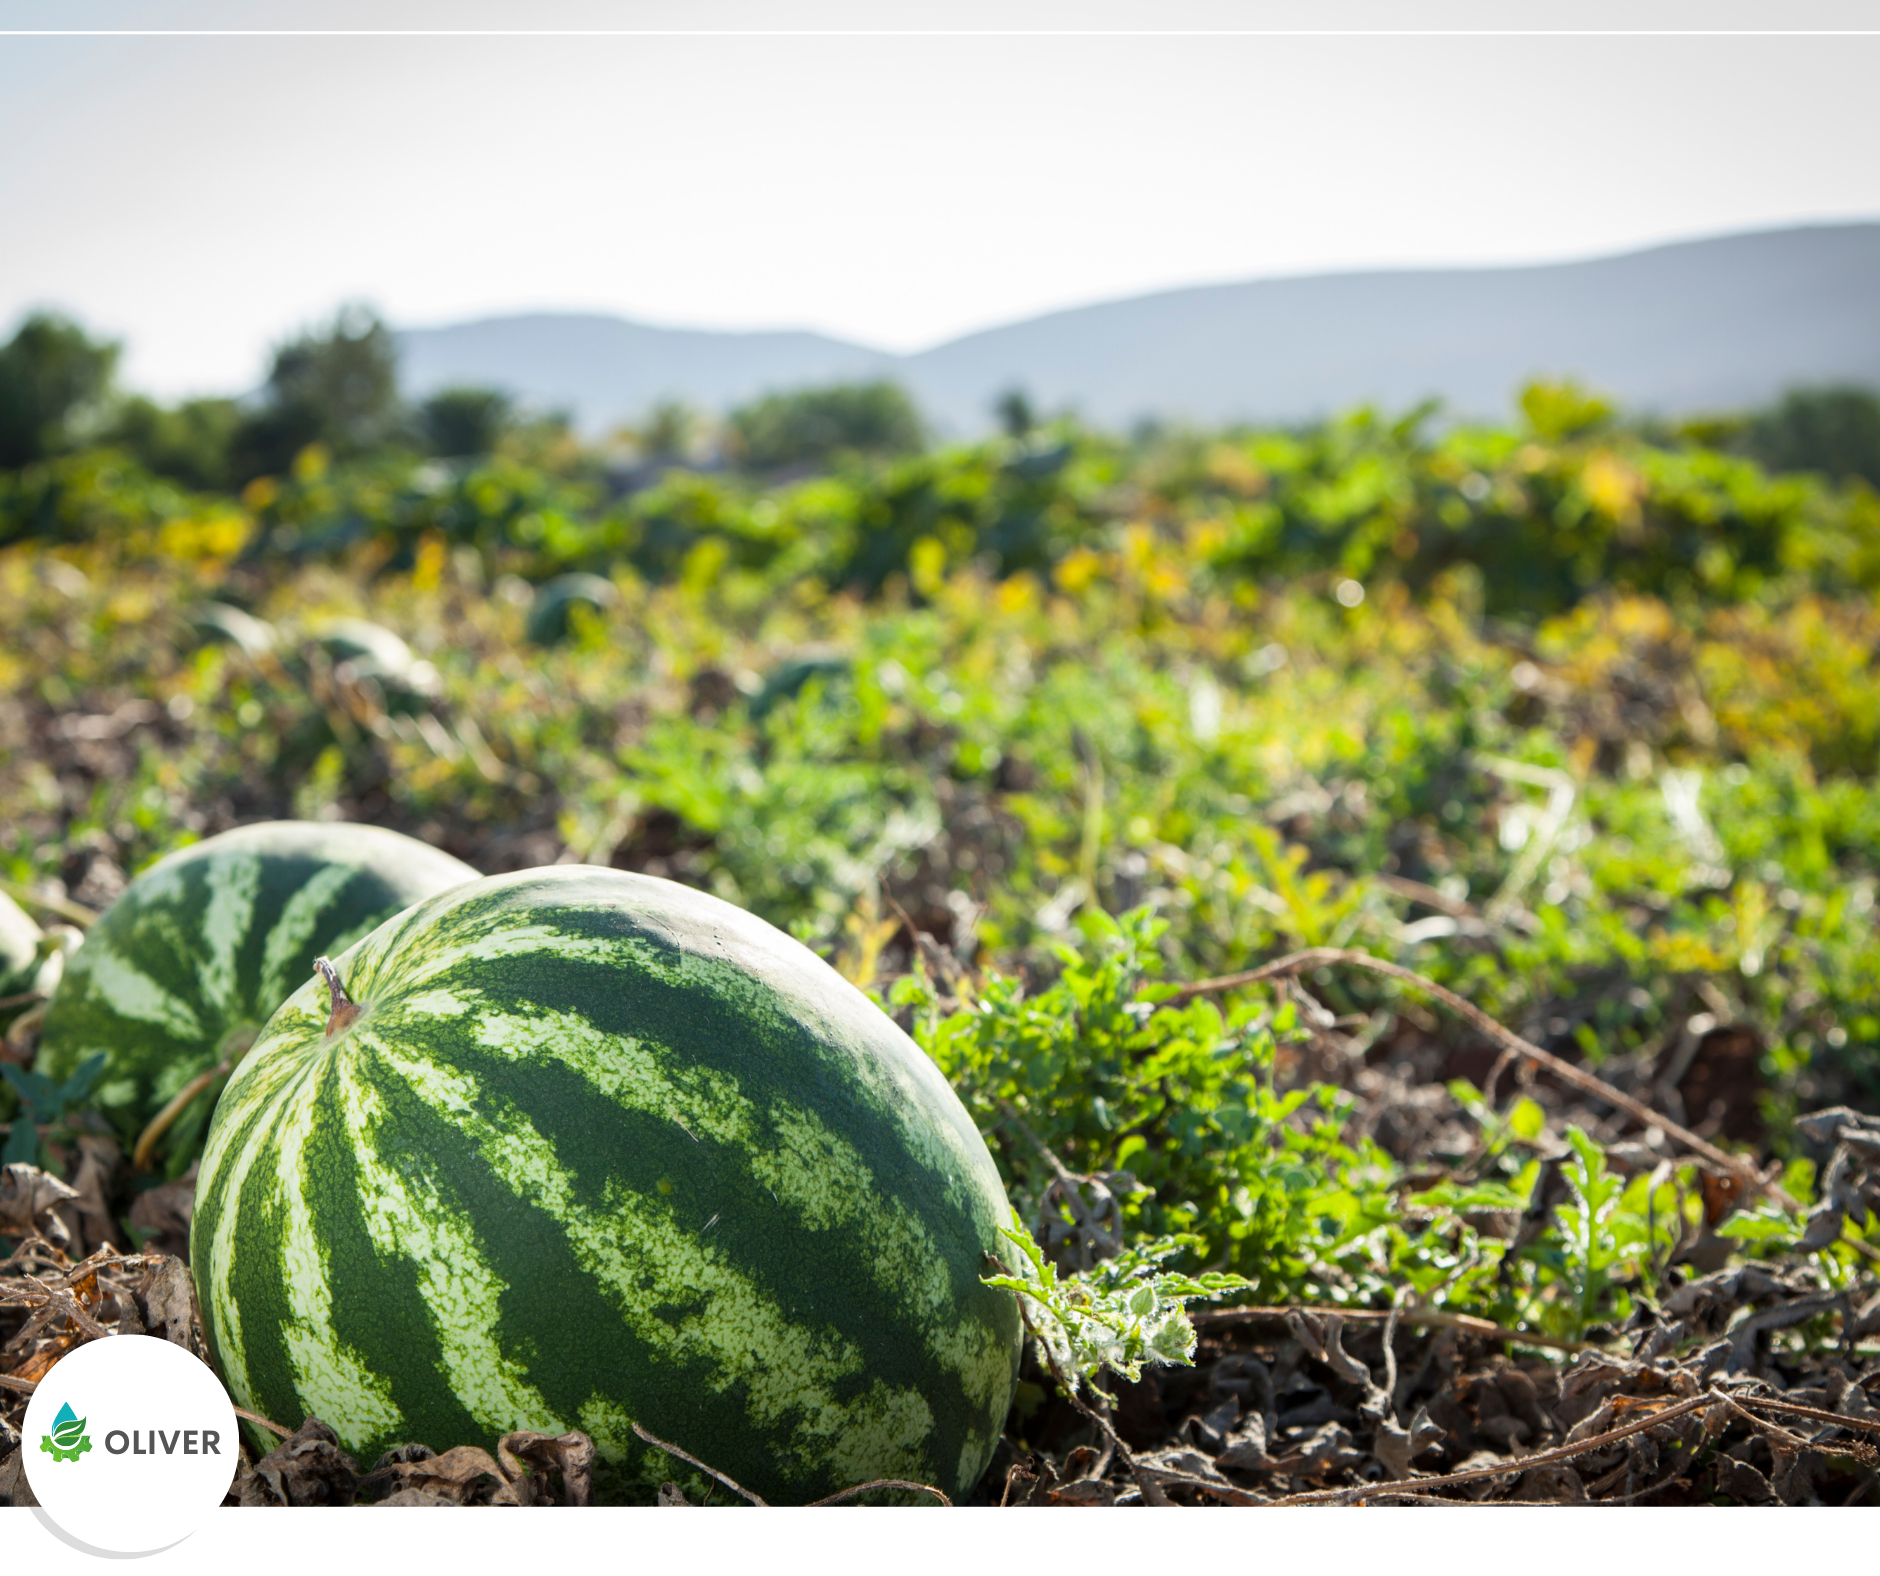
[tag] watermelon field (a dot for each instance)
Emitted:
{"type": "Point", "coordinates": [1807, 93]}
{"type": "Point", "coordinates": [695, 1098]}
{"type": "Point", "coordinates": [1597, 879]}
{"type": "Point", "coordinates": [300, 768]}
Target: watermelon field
{"type": "Point", "coordinates": [1395, 900]}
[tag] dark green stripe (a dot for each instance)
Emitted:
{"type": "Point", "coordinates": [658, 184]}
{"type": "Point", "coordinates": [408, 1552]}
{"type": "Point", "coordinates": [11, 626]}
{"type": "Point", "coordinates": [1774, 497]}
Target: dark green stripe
{"type": "Point", "coordinates": [391, 1327]}
{"type": "Point", "coordinates": [258, 1241]}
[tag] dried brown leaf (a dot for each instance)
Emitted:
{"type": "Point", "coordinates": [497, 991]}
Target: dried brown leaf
{"type": "Point", "coordinates": [1795, 1475]}
{"type": "Point", "coordinates": [161, 1215]}
{"type": "Point", "coordinates": [1246, 1447]}
{"type": "Point", "coordinates": [458, 1475]}
{"type": "Point", "coordinates": [1523, 1400]}
{"type": "Point", "coordinates": [1327, 1449]}
{"type": "Point", "coordinates": [571, 1455]}
{"type": "Point", "coordinates": [14, 1489]}
{"type": "Point", "coordinates": [1210, 1430]}
{"type": "Point", "coordinates": [165, 1299]}
{"type": "Point", "coordinates": [87, 1215]}
{"type": "Point", "coordinates": [307, 1468]}
{"type": "Point", "coordinates": [29, 1199]}
{"type": "Point", "coordinates": [1559, 1484]}
{"type": "Point", "coordinates": [1396, 1445]}
{"type": "Point", "coordinates": [1741, 1482]}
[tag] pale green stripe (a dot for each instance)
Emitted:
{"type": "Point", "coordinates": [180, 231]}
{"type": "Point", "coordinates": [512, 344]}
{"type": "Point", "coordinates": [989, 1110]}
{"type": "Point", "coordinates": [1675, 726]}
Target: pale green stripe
{"type": "Point", "coordinates": [131, 993]}
{"type": "Point", "coordinates": [291, 932]}
{"type": "Point", "coordinates": [261, 1094]}
{"type": "Point", "coordinates": [233, 882]}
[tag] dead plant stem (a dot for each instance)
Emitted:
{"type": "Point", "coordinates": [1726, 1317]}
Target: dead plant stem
{"type": "Point", "coordinates": [1339, 957]}
{"type": "Point", "coordinates": [1468, 1323]}
{"type": "Point", "coordinates": [179, 1103]}
{"type": "Point", "coordinates": [1796, 1409]}
{"type": "Point", "coordinates": [265, 1422]}
{"type": "Point", "coordinates": [863, 1488]}
{"type": "Point", "coordinates": [1510, 1468]}
{"type": "Point", "coordinates": [692, 1460]}
{"type": "Point", "coordinates": [75, 913]}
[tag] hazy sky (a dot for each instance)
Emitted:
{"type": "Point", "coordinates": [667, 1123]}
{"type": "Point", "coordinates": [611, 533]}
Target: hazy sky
{"type": "Point", "coordinates": [204, 196]}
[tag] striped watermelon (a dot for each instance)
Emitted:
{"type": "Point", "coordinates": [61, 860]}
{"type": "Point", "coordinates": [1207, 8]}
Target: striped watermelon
{"type": "Point", "coordinates": [199, 950]}
{"type": "Point", "coordinates": [598, 1149]}
{"type": "Point", "coordinates": [19, 949]}
{"type": "Point", "coordinates": [19, 968]}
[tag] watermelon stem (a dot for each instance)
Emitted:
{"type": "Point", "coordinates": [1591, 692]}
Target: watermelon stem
{"type": "Point", "coordinates": [691, 1460]}
{"type": "Point", "coordinates": [344, 1008]}
{"type": "Point", "coordinates": [238, 1047]}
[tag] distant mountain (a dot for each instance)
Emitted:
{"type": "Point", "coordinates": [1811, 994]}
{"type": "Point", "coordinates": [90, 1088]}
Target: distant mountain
{"type": "Point", "coordinates": [605, 370]}
{"type": "Point", "coordinates": [1700, 325]}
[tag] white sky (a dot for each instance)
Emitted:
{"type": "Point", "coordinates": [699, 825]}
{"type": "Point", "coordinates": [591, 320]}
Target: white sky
{"type": "Point", "coordinates": [202, 197]}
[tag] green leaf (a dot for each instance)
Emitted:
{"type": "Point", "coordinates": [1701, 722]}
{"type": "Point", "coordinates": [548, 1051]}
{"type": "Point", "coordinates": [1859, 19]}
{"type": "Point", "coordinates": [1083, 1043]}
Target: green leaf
{"type": "Point", "coordinates": [35, 1089]}
{"type": "Point", "coordinates": [1483, 1195]}
{"type": "Point", "coordinates": [22, 1143]}
{"type": "Point", "coordinates": [79, 1084]}
{"type": "Point", "coordinates": [1758, 1228]}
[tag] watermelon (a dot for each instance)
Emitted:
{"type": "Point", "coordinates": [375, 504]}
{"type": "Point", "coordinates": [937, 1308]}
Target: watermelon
{"type": "Point", "coordinates": [19, 949]}
{"type": "Point", "coordinates": [362, 650]}
{"type": "Point", "coordinates": [599, 1149]}
{"type": "Point", "coordinates": [195, 955]}
{"type": "Point", "coordinates": [19, 971]}
{"type": "Point", "coordinates": [548, 612]}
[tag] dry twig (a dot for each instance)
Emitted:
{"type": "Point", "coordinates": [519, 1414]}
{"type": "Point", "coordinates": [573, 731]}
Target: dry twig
{"type": "Point", "coordinates": [179, 1103]}
{"type": "Point", "coordinates": [863, 1488]}
{"type": "Point", "coordinates": [1441, 1318]}
{"type": "Point", "coordinates": [738, 1488]}
{"type": "Point", "coordinates": [1512, 1467]}
{"type": "Point", "coordinates": [1327, 957]}
{"type": "Point", "coordinates": [691, 1460]}
{"type": "Point", "coordinates": [1796, 1409]}
{"type": "Point", "coordinates": [265, 1422]}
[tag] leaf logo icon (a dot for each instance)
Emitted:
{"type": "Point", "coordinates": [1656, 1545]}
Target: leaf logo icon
{"type": "Point", "coordinates": [67, 1441]}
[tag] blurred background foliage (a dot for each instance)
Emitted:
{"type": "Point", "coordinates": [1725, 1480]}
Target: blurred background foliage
{"type": "Point", "coordinates": [1578, 714]}
{"type": "Point", "coordinates": [842, 483]}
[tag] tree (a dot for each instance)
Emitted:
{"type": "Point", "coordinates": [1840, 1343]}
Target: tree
{"type": "Point", "coordinates": [189, 443]}
{"type": "Point", "coordinates": [1560, 412]}
{"type": "Point", "coordinates": [53, 379]}
{"type": "Point", "coordinates": [1015, 413]}
{"type": "Point", "coordinates": [336, 386]}
{"type": "Point", "coordinates": [671, 432]}
{"type": "Point", "coordinates": [455, 423]}
{"type": "Point", "coordinates": [1832, 430]}
{"type": "Point", "coordinates": [812, 427]}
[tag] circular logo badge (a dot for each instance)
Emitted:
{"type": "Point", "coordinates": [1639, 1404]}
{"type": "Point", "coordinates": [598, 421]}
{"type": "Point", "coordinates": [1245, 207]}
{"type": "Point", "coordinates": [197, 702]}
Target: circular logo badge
{"type": "Point", "coordinates": [129, 1443]}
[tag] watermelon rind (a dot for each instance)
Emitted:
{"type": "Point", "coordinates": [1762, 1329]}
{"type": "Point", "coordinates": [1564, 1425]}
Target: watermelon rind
{"type": "Point", "coordinates": [19, 968]}
{"type": "Point", "coordinates": [601, 1149]}
{"type": "Point", "coordinates": [19, 948]}
{"type": "Point", "coordinates": [195, 954]}
{"type": "Point", "coordinates": [553, 602]}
